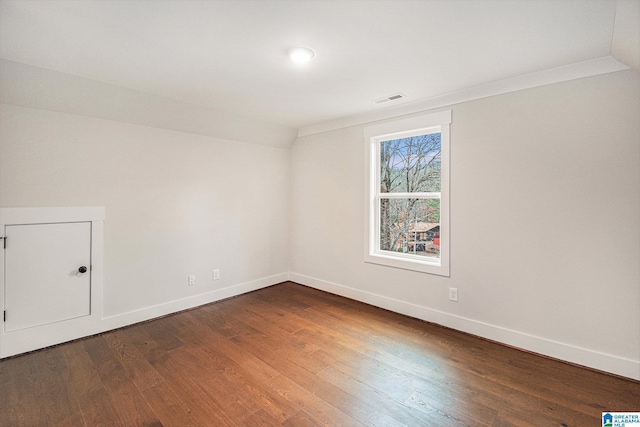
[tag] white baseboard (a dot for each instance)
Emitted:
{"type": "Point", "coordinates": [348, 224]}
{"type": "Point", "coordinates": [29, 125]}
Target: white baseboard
{"type": "Point", "coordinates": [148, 313]}
{"type": "Point", "coordinates": [581, 356]}
{"type": "Point", "coordinates": [58, 333]}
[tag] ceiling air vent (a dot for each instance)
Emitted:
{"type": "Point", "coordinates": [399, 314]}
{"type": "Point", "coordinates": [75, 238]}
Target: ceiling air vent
{"type": "Point", "coordinates": [390, 98]}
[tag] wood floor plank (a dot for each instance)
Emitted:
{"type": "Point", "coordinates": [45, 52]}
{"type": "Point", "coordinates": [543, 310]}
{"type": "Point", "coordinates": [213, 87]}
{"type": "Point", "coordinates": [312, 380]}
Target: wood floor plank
{"type": "Point", "coordinates": [274, 339]}
{"type": "Point", "coordinates": [254, 367]}
{"type": "Point", "coordinates": [448, 413]}
{"type": "Point", "coordinates": [302, 419]}
{"type": "Point", "coordinates": [310, 403]}
{"type": "Point", "coordinates": [163, 333]}
{"type": "Point", "coordinates": [382, 378]}
{"type": "Point", "coordinates": [260, 419]}
{"type": "Point", "coordinates": [21, 391]}
{"type": "Point", "coordinates": [217, 317]}
{"type": "Point", "coordinates": [132, 408]}
{"type": "Point", "coordinates": [270, 313]}
{"type": "Point", "coordinates": [207, 372]}
{"type": "Point", "coordinates": [170, 409]}
{"type": "Point", "coordinates": [60, 403]}
{"type": "Point", "coordinates": [191, 392]}
{"type": "Point", "coordinates": [132, 360]}
{"type": "Point", "coordinates": [98, 409]}
{"type": "Point", "coordinates": [229, 377]}
{"type": "Point", "coordinates": [6, 385]}
{"type": "Point", "coordinates": [291, 367]}
{"type": "Point", "coordinates": [381, 400]}
{"type": "Point", "coordinates": [119, 383]}
{"type": "Point", "coordinates": [84, 377]}
{"type": "Point", "coordinates": [106, 363]}
{"type": "Point", "coordinates": [291, 355]}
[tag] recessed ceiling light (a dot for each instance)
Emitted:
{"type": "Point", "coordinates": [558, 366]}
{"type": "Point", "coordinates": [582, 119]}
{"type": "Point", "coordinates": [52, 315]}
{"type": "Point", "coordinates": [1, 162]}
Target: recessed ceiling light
{"type": "Point", "coordinates": [301, 55]}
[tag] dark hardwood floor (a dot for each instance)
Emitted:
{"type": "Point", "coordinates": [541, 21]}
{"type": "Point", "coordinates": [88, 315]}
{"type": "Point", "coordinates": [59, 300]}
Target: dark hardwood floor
{"type": "Point", "coordinates": [293, 356]}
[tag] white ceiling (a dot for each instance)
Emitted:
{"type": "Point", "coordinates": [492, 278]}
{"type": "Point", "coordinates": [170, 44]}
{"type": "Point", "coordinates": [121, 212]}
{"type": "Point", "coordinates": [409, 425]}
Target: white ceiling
{"type": "Point", "coordinates": [231, 55]}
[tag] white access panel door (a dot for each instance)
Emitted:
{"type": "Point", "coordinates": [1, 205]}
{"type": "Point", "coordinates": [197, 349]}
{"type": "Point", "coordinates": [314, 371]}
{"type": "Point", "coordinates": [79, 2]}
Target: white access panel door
{"type": "Point", "coordinates": [47, 273]}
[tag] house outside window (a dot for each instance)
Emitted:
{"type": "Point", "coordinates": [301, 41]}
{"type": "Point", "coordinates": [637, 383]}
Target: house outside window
{"type": "Point", "coordinates": [407, 202]}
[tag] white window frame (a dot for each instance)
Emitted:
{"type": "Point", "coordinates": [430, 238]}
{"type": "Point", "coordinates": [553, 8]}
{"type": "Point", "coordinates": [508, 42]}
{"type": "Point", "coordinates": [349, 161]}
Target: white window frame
{"type": "Point", "coordinates": [373, 135]}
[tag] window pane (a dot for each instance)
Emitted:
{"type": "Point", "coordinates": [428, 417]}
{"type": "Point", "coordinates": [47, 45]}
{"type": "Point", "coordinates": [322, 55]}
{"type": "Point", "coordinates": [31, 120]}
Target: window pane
{"type": "Point", "coordinates": [410, 226]}
{"type": "Point", "coordinates": [409, 165]}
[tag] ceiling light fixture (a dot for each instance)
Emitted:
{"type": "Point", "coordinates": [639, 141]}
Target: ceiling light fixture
{"type": "Point", "coordinates": [301, 55]}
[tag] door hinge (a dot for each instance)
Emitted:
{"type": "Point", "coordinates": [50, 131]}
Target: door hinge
{"type": "Point", "coordinates": [4, 317]}
{"type": "Point", "coordinates": [4, 242]}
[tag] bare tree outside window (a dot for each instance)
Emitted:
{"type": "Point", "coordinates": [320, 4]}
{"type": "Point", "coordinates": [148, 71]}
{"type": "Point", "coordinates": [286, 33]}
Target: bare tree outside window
{"type": "Point", "coordinates": [410, 224]}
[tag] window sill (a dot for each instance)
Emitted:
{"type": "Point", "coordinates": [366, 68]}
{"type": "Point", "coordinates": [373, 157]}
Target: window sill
{"type": "Point", "coordinates": [422, 266]}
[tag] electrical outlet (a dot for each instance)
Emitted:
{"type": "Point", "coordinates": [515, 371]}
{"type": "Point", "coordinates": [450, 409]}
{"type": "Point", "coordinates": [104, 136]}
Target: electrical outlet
{"type": "Point", "coordinates": [453, 294]}
{"type": "Point", "coordinates": [192, 280]}
{"type": "Point", "coordinates": [216, 274]}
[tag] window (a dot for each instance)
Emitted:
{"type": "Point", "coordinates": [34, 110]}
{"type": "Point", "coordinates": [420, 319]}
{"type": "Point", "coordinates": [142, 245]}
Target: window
{"type": "Point", "coordinates": [407, 205]}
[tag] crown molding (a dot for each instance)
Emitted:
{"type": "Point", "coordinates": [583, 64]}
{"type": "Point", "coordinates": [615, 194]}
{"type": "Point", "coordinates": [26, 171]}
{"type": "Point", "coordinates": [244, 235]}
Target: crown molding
{"type": "Point", "coordinates": [578, 70]}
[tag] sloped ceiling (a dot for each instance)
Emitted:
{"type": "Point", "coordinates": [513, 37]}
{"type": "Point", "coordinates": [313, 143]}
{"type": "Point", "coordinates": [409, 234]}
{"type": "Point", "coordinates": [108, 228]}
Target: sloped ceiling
{"type": "Point", "coordinates": [231, 55]}
{"type": "Point", "coordinates": [625, 46]}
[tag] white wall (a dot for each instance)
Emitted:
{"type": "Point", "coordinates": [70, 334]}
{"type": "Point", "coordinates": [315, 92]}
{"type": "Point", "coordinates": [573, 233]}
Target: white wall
{"type": "Point", "coordinates": [545, 190]}
{"type": "Point", "coordinates": [176, 204]}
